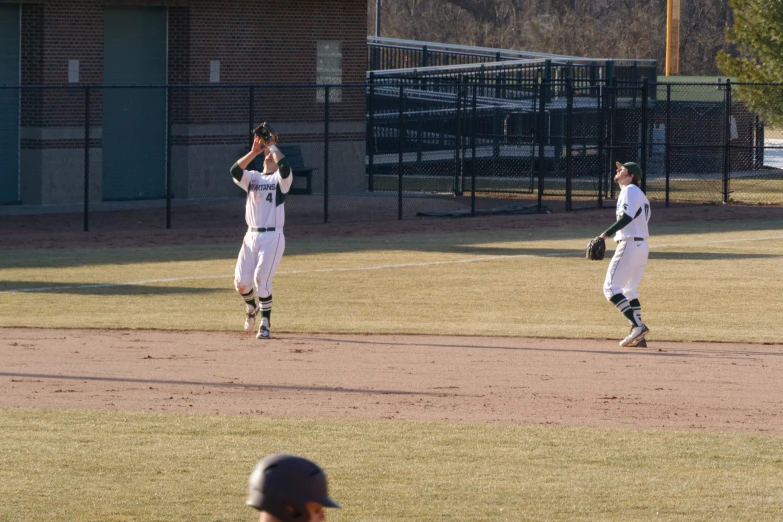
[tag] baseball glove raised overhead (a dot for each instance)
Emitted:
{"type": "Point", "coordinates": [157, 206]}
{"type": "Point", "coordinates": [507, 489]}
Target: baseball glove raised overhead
{"type": "Point", "coordinates": [596, 249]}
{"type": "Point", "coordinates": [266, 133]}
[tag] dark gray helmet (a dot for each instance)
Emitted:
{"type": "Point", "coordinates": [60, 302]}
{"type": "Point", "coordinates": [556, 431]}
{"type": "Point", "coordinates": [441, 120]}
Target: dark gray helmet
{"type": "Point", "coordinates": [280, 480]}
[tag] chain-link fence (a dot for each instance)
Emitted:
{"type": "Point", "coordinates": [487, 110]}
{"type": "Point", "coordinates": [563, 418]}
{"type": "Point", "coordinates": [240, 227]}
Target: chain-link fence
{"type": "Point", "coordinates": [702, 144]}
{"type": "Point", "coordinates": [159, 156]}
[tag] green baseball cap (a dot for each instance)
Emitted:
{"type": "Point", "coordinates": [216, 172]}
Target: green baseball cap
{"type": "Point", "coordinates": [632, 167]}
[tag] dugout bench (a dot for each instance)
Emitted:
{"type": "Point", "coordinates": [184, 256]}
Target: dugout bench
{"type": "Point", "coordinates": [294, 155]}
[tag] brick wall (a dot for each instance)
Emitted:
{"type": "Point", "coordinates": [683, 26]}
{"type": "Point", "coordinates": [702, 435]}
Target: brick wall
{"type": "Point", "coordinates": [255, 43]}
{"type": "Point", "coordinates": [179, 48]}
{"type": "Point", "coordinates": [32, 51]}
{"type": "Point", "coordinates": [261, 42]}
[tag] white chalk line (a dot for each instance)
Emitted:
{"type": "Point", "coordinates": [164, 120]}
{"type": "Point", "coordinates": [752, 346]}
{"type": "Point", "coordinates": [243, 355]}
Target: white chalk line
{"type": "Point", "coordinates": [718, 241]}
{"type": "Point", "coordinates": [378, 267]}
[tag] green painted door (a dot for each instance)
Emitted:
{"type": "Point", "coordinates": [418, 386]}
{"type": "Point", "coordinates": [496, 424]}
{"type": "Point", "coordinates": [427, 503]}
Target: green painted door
{"type": "Point", "coordinates": [9, 103]}
{"type": "Point", "coordinates": [134, 119]}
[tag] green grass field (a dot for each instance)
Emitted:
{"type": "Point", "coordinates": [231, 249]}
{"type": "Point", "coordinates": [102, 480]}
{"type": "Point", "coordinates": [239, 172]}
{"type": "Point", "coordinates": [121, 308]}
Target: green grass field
{"type": "Point", "coordinates": [101, 467]}
{"type": "Point", "coordinates": [703, 282]}
{"type": "Point", "coordinates": [715, 281]}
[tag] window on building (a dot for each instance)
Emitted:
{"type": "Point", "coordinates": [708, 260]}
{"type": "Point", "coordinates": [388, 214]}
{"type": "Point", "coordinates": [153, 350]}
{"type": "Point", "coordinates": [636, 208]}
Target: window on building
{"type": "Point", "coordinates": [329, 70]}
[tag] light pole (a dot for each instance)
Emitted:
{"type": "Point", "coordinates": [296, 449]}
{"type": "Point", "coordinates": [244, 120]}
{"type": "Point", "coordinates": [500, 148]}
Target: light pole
{"type": "Point", "coordinates": [672, 37]}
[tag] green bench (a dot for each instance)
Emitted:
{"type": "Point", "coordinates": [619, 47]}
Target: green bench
{"type": "Point", "coordinates": [294, 155]}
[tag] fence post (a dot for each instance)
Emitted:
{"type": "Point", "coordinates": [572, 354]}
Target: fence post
{"type": "Point", "coordinates": [610, 82]}
{"type": "Point", "coordinates": [419, 136]}
{"type": "Point", "coordinates": [464, 135]}
{"type": "Point", "coordinates": [758, 143]}
{"type": "Point", "coordinates": [496, 132]}
{"type": "Point", "coordinates": [424, 56]}
{"type": "Point", "coordinates": [609, 79]}
{"type": "Point", "coordinates": [611, 102]}
{"type": "Point", "coordinates": [601, 136]}
{"type": "Point", "coordinates": [251, 123]}
{"type": "Point", "coordinates": [547, 78]}
{"type": "Point", "coordinates": [667, 155]}
{"type": "Point", "coordinates": [644, 145]}
{"type": "Point", "coordinates": [326, 153]}
{"type": "Point", "coordinates": [727, 145]}
{"type": "Point", "coordinates": [86, 159]}
{"type": "Point", "coordinates": [168, 156]}
{"type": "Point", "coordinates": [400, 143]}
{"type": "Point", "coordinates": [536, 99]}
{"type": "Point", "coordinates": [543, 89]}
{"type": "Point", "coordinates": [569, 143]}
{"type": "Point", "coordinates": [615, 95]}
{"type": "Point", "coordinates": [458, 140]}
{"type": "Point", "coordinates": [371, 135]}
{"type": "Point", "coordinates": [473, 157]}
{"type": "Point", "coordinates": [250, 116]}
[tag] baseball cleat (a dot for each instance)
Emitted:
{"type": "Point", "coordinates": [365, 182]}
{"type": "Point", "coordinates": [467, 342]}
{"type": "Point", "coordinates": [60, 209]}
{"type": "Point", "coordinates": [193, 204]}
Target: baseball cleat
{"type": "Point", "coordinates": [250, 317]}
{"type": "Point", "coordinates": [263, 333]}
{"type": "Point", "coordinates": [637, 333]}
{"type": "Point", "coordinates": [638, 343]}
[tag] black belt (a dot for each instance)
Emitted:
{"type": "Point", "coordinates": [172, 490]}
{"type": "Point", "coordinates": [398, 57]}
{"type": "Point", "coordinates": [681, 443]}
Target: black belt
{"type": "Point", "coordinates": [270, 229]}
{"type": "Point", "coordinates": [634, 238]}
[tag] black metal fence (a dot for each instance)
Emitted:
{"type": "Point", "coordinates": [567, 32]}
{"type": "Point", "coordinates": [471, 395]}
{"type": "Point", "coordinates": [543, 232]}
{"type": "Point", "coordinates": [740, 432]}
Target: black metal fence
{"type": "Point", "coordinates": [105, 157]}
{"type": "Point", "coordinates": [559, 140]}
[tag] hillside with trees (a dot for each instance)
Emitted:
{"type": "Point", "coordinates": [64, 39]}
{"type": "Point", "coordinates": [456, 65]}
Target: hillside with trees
{"type": "Point", "coordinates": [590, 28]}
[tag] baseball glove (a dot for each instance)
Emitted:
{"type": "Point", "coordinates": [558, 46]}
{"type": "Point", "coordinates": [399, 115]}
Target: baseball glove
{"type": "Point", "coordinates": [596, 249]}
{"type": "Point", "coordinates": [266, 133]}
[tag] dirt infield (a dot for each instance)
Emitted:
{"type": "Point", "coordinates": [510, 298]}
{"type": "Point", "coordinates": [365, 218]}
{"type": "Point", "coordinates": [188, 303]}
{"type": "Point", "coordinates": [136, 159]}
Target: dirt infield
{"type": "Point", "coordinates": [693, 386]}
{"type": "Point", "coordinates": [683, 386]}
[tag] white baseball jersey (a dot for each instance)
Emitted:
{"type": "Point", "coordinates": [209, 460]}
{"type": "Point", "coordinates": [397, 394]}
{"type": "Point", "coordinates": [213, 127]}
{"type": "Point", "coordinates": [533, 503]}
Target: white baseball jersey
{"type": "Point", "coordinates": [633, 202]}
{"type": "Point", "coordinates": [264, 207]}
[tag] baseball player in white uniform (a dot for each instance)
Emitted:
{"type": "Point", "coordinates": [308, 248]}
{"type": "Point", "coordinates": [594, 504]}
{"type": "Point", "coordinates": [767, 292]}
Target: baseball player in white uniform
{"type": "Point", "coordinates": [264, 242]}
{"type": "Point", "coordinates": [630, 257]}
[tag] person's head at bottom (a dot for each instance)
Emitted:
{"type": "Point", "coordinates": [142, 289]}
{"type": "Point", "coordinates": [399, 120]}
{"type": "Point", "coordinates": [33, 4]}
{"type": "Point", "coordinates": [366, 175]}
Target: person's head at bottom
{"type": "Point", "coordinates": [287, 488]}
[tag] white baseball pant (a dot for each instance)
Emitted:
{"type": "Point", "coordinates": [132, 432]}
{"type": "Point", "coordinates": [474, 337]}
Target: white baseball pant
{"type": "Point", "coordinates": [257, 263]}
{"type": "Point", "coordinates": [626, 269]}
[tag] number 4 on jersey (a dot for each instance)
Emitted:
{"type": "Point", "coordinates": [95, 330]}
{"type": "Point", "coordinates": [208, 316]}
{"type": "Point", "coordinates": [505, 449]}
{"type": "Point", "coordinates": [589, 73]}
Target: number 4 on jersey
{"type": "Point", "coordinates": [269, 197]}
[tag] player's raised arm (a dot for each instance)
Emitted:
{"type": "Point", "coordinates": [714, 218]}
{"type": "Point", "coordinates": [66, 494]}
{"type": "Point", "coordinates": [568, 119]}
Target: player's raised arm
{"type": "Point", "coordinates": [282, 164]}
{"type": "Point", "coordinates": [238, 168]}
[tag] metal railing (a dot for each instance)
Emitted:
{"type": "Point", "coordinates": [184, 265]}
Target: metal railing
{"type": "Point", "coordinates": [392, 58]}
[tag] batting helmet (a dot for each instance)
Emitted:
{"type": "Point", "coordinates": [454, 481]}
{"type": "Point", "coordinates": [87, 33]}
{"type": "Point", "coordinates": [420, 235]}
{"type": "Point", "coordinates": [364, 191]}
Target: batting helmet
{"type": "Point", "coordinates": [282, 485]}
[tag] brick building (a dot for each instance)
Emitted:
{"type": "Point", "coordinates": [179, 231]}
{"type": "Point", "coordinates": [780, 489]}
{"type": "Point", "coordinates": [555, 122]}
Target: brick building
{"type": "Point", "coordinates": [245, 62]}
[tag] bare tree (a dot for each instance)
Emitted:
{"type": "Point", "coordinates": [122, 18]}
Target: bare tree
{"type": "Point", "coordinates": [702, 35]}
{"type": "Point", "coordinates": [594, 28]}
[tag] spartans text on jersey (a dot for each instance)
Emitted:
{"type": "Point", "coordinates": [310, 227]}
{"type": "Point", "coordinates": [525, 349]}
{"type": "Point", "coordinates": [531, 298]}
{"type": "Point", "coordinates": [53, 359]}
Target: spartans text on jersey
{"type": "Point", "coordinates": [259, 187]}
